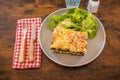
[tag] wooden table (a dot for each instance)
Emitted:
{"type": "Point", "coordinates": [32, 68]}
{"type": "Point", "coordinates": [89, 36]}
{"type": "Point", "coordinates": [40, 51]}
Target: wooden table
{"type": "Point", "coordinates": [105, 67]}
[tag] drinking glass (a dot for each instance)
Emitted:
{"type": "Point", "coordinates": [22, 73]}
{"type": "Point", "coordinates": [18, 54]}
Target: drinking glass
{"type": "Point", "coordinates": [72, 3]}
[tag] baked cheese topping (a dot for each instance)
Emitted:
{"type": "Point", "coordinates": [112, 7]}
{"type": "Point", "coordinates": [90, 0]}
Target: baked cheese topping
{"type": "Point", "coordinates": [67, 39]}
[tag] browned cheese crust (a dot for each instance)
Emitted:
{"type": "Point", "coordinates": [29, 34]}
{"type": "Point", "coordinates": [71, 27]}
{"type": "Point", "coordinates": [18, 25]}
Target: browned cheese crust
{"type": "Point", "coordinates": [69, 41]}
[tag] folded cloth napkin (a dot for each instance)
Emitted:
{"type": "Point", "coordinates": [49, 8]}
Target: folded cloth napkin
{"type": "Point", "coordinates": [37, 53]}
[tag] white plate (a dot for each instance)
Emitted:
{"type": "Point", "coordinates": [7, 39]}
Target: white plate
{"type": "Point", "coordinates": [95, 46]}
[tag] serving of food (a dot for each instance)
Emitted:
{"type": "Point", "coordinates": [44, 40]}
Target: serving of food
{"type": "Point", "coordinates": [69, 41]}
{"type": "Point", "coordinates": [71, 31]}
{"type": "Point", "coordinates": [72, 37]}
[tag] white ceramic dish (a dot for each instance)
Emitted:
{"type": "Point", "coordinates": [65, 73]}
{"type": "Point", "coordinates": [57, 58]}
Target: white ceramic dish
{"type": "Point", "coordinates": [95, 46]}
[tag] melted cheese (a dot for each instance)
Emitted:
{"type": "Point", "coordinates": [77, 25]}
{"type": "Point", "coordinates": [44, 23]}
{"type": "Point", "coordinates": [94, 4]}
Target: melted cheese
{"type": "Point", "coordinates": [67, 39]}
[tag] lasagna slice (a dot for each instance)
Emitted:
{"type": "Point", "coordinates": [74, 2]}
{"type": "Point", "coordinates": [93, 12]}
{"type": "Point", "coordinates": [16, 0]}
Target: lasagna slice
{"type": "Point", "coordinates": [69, 41]}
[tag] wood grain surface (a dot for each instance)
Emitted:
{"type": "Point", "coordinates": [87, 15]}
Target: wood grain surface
{"type": "Point", "coordinates": [105, 67]}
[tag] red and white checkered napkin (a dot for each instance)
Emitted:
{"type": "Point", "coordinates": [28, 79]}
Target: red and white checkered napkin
{"type": "Point", "coordinates": [37, 53]}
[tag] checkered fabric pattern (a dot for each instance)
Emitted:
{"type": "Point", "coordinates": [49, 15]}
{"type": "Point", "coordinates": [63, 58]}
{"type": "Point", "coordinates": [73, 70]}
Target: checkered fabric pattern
{"type": "Point", "coordinates": [27, 64]}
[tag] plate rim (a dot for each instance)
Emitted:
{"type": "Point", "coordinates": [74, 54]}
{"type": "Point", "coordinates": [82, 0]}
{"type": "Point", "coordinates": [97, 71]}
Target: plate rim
{"type": "Point", "coordinates": [81, 64]}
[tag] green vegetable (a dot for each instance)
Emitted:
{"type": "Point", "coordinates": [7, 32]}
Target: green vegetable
{"type": "Point", "coordinates": [90, 25]}
{"type": "Point", "coordinates": [68, 24]}
{"type": "Point", "coordinates": [76, 19]}
{"type": "Point", "coordinates": [54, 20]}
{"type": "Point", "coordinates": [51, 25]}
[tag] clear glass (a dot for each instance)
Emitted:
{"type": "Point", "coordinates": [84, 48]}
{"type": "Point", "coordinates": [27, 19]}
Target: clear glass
{"type": "Point", "coordinates": [72, 3]}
